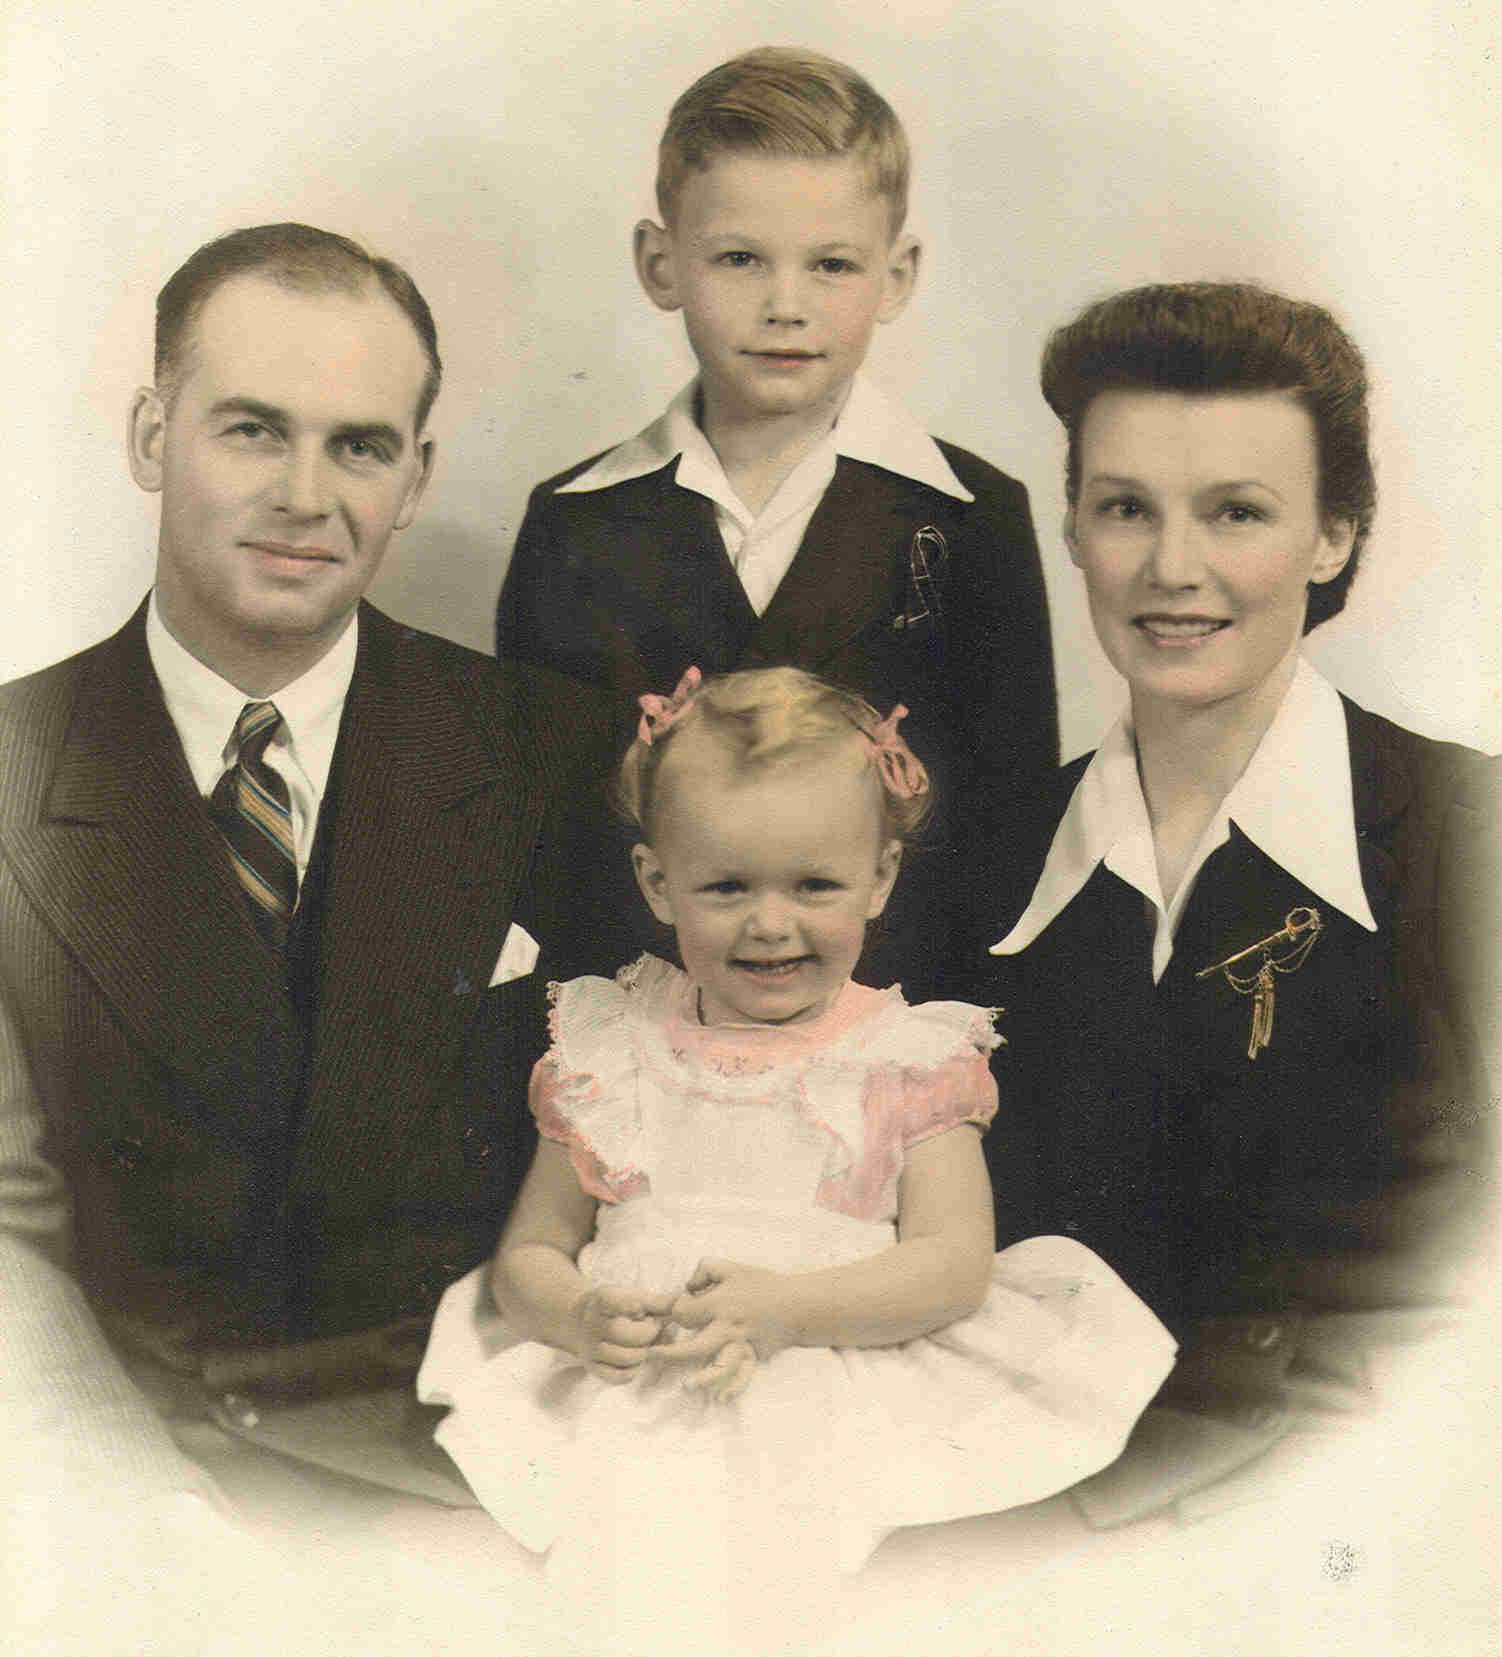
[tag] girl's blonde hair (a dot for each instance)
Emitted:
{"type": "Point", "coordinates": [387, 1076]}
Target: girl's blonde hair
{"type": "Point", "coordinates": [760, 716]}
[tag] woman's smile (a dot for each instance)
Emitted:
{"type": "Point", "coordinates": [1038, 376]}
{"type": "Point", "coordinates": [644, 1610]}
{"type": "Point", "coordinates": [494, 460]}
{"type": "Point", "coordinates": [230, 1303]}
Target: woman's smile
{"type": "Point", "coordinates": [1178, 631]}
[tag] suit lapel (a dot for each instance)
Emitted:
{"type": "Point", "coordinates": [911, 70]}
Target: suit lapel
{"type": "Point", "coordinates": [126, 865]}
{"type": "Point", "coordinates": [1382, 787]}
{"type": "Point", "coordinates": [675, 594]}
{"type": "Point", "coordinates": [435, 819]}
{"type": "Point", "coordinates": [849, 569]}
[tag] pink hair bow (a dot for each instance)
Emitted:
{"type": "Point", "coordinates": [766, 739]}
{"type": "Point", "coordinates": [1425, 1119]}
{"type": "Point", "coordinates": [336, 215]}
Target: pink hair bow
{"type": "Point", "coordinates": [660, 713]}
{"type": "Point", "coordinates": [896, 764]}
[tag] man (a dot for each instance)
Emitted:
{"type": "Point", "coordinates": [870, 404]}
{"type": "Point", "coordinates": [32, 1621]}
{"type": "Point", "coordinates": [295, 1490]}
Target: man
{"type": "Point", "coordinates": [280, 884]}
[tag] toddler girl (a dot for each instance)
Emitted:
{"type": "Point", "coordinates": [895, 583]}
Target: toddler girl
{"type": "Point", "coordinates": [748, 1296]}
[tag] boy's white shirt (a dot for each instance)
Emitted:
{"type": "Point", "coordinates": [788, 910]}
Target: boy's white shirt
{"type": "Point", "coordinates": [870, 428]}
{"type": "Point", "coordinates": [204, 707]}
{"type": "Point", "coordinates": [1293, 801]}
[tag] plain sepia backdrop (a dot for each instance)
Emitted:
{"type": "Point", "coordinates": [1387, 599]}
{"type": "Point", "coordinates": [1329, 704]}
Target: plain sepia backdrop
{"type": "Point", "coordinates": [502, 152]}
{"type": "Point", "coordinates": [1341, 150]}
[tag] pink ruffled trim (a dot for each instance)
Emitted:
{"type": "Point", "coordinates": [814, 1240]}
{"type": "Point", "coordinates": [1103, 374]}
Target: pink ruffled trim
{"type": "Point", "coordinates": [551, 1095]}
{"type": "Point", "coordinates": [901, 1108]}
{"type": "Point", "coordinates": [962, 1089]}
{"type": "Point", "coordinates": [900, 1105]}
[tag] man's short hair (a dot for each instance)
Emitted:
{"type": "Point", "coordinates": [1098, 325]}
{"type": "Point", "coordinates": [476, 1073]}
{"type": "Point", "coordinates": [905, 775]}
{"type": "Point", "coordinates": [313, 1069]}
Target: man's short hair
{"type": "Point", "coordinates": [782, 101]}
{"type": "Point", "coordinates": [295, 256]}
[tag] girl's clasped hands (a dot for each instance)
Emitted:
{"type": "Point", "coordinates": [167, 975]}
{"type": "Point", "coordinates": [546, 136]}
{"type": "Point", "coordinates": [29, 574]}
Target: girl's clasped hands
{"type": "Point", "coordinates": [719, 1325]}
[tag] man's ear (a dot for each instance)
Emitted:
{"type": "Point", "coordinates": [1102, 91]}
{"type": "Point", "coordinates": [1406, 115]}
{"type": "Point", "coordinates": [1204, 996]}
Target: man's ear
{"type": "Point", "coordinates": [1071, 537]}
{"type": "Point", "coordinates": [888, 861]}
{"type": "Point", "coordinates": [902, 277]}
{"type": "Point", "coordinates": [146, 438]}
{"type": "Point", "coordinates": [652, 251]}
{"type": "Point", "coordinates": [426, 449]}
{"type": "Point", "coordinates": [653, 881]}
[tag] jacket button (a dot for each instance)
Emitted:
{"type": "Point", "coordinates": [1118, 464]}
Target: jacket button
{"type": "Point", "coordinates": [236, 1411]}
{"type": "Point", "coordinates": [1263, 1336]}
{"type": "Point", "coordinates": [128, 1153]}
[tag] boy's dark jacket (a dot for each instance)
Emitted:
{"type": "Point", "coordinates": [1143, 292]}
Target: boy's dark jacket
{"type": "Point", "coordinates": [627, 586]}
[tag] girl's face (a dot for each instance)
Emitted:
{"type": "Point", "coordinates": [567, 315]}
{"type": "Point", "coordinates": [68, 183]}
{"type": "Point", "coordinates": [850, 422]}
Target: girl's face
{"type": "Point", "coordinates": [768, 877]}
{"type": "Point", "coordinates": [1198, 530]}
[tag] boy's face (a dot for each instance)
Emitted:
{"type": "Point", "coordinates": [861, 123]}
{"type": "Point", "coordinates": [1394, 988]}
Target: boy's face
{"type": "Point", "coordinates": [782, 267]}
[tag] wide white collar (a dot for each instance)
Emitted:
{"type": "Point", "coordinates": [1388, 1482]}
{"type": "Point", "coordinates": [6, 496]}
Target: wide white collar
{"type": "Point", "coordinates": [871, 428]}
{"type": "Point", "coordinates": [1293, 801]}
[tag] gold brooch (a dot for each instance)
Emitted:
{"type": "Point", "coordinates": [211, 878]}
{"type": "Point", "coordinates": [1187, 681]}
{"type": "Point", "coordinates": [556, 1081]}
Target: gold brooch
{"type": "Point", "coordinates": [1299, 930]}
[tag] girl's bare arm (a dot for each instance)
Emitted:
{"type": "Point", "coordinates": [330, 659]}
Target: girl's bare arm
{"type": "Point", "coordinates": [541, 1292]}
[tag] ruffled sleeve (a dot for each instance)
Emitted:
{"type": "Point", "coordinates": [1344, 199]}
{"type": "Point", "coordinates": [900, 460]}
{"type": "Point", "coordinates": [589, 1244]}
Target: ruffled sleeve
{"type": "Point", "coordinates": [584, 1092]}
{"type": "Point", "coordinates": [962, 1089]}
{"type": "Point", "coordinates": [558, 1098]}
{"type": "Point", "coordinates": [926, 1070]}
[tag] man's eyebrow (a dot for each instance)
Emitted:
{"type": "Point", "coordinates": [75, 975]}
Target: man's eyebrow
{"type": "Point", "coordinates": [361, 431]}
{"type": "Point", "coordinates": [248, 405]}
{"type": "Point", "coordinates": [373, 431]}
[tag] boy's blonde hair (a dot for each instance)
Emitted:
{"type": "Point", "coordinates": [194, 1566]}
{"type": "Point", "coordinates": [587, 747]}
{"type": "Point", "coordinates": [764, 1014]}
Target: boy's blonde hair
{"type": "Point", "coordinates": [783, 101]}
{"type": "Point", "coordinates": [760, 716]}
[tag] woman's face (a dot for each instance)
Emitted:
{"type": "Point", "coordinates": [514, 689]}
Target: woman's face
{"type": "Point", "coordinates": [1198, 530]}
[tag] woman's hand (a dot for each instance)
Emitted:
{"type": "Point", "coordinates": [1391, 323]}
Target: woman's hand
{"type": "Point", "coordinates": [734, 1317]}
{"type": "Point", "coordinates": [614, 1329]}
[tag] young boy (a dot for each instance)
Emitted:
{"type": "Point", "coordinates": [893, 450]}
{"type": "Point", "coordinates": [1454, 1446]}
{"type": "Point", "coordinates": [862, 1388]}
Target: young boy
{"type": "Point", "coordinates": [783, 510]}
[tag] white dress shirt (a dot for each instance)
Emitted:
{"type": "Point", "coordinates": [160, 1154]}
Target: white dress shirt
{"type": "Point", "coordinates": [204, 707]}
{"type": "Point", "coordinates": [761, 546]}
{"type": "Point", "coordinates": [1293, 801]}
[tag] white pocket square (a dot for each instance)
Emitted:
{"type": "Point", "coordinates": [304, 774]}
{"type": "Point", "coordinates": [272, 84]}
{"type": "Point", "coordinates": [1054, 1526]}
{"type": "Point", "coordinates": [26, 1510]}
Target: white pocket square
{"type": "Point", "coordinates": [517, 958]}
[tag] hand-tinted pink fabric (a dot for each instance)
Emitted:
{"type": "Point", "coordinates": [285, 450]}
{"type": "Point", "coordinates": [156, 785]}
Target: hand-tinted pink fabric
{"type": "Point", "coordinates": [901, 1104]}
{"type": "Point", "coordinates": [781, 1148]}
{"type": "Point", "coordinates": [551, 1095]}
{"type": "Point", "coordinates": [902, 1107]}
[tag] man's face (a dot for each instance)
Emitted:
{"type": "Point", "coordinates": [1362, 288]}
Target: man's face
{"type": "Point", "coordinates": [287, 457]}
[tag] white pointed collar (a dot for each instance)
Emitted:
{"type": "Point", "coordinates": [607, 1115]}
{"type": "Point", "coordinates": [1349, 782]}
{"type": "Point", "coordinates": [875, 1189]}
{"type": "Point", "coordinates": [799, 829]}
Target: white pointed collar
{"type": "Point", "coordinates": [204, 706]}
{"type": "Point", "coordinates": [871, 428]}
{"type": "Point", "coordinates": [1293, 801]}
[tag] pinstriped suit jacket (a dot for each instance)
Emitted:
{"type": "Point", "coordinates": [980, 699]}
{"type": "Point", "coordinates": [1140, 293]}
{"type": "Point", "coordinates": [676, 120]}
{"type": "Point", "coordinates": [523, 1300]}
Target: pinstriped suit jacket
{"type": "Point", "coordinates": [176, 1159]}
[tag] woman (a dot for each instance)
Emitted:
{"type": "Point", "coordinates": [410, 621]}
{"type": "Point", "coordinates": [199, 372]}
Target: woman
{"type": "Point", "coordinates": [1248, 999]}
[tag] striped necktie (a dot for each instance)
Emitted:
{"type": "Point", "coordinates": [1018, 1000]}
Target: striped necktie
{"type": "Point", "coordinates": [253, 811]}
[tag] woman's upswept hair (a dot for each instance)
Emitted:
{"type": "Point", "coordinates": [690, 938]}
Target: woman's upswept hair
{"type": "Point", "coordinates": [761, 716]}
{"type": "Point", "coordinates": [1206, 337]}
{"type": "Point", "coordinates": [783, 101]}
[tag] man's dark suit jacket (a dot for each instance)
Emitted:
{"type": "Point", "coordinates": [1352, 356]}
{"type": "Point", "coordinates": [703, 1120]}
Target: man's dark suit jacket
{"type": "Point", "coordinates": [627, 586]}
{"type": "Point", "coordinates": [263, 1162]}
{"type": "Point", "coordinates": [1272, 1212]}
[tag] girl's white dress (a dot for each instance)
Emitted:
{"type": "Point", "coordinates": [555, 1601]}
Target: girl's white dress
{"type": "Point", "coordinates": [781, 1147]}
